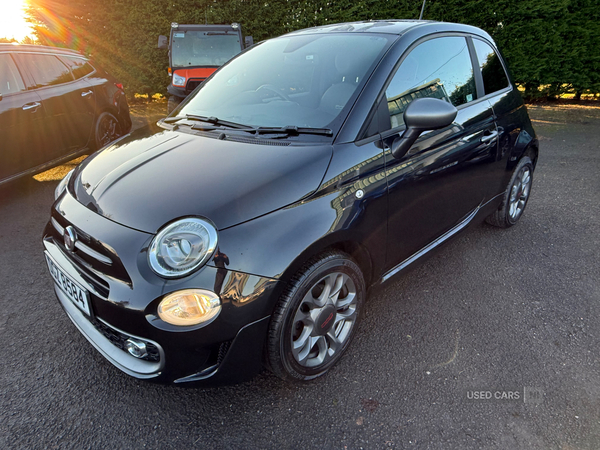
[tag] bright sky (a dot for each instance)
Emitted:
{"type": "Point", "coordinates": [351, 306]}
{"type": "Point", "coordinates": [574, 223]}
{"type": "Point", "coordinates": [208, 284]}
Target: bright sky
{"type": "Point", "coordinates": [12, 19]}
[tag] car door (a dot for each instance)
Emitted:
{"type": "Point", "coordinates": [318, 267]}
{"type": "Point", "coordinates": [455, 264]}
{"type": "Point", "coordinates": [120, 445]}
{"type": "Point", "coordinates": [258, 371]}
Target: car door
{"type": "Point", "coordinates": [436, 188]}
{"type": "Point", "coordinates": [21, 121]}
{"type": "Point", "coordinates": [65, 100]}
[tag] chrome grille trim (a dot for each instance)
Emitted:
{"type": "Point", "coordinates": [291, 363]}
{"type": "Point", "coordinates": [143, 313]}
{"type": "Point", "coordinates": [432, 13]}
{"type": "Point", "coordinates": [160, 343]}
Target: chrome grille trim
{"type": "Point", "coordinates": [93, 253]}
{"type": "Point", "coordinates": [57, 226]}
{"type": "Point", "coordinates": [82, 247]}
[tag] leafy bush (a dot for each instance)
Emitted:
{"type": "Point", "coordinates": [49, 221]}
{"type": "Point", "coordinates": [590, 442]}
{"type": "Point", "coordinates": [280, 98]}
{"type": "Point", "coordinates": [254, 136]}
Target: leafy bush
{"type": "Point", "coordinates": [551, 43]}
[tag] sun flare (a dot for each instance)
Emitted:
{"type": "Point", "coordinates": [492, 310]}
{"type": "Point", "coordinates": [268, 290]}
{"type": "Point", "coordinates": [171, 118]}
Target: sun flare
{"type": "Point", "coordinates": [12, 20]}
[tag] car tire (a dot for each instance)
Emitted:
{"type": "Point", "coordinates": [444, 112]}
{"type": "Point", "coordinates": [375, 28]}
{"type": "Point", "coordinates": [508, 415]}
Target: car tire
{"type": "Point", "coordinates": [515, 197]}
{"type": "Point", "coordinates": [172, 103]}
{"type": "Point", "coordinates": [316, 318]}
{"type": "Point", "coordinates": [106, 130]}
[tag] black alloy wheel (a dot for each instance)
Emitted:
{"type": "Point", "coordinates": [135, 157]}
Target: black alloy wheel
{"type": "Point", "coordinates": [107, 129]}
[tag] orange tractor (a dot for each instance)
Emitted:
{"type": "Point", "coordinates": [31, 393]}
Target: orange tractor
{"type": "Point", "coordinates": [195, 52]}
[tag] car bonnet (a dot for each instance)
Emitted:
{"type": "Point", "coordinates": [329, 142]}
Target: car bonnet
{"type": "Point", "coordinates": [155, 176]}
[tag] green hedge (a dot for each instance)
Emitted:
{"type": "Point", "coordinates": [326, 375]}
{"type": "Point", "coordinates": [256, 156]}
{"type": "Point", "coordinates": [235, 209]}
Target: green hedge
{"type": "Point", "coordinates": [552, 46]}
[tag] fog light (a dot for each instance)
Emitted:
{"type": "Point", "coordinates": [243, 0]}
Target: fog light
{"type": "Point", "coordinates": [189, 307]}
{"type": "Point", "coordinates": [136, 348]}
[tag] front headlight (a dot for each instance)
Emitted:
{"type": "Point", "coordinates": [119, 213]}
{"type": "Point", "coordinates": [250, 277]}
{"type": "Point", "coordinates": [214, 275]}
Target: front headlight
{"type": "Point", "coordinates": [182, 247]}
{"type": "Point", "coordinates": [178, 80]}
{"type": "Point", "coordinates": [62, 185]}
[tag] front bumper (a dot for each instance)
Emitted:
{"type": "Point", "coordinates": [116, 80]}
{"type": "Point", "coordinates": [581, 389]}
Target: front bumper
{"type": "Point", "coordinates": [125, 293]}
{"type": "Point", "coordinates": [179, 92]}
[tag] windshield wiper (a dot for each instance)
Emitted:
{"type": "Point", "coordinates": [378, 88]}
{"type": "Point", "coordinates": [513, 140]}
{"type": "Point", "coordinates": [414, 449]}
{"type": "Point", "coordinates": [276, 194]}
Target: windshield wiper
{"type": "Point", "coordinates": [218, 124]}
{"type": "Point", "coordinates": [213, 120]}
{"type": "Point", "coordinates": [293, 130]}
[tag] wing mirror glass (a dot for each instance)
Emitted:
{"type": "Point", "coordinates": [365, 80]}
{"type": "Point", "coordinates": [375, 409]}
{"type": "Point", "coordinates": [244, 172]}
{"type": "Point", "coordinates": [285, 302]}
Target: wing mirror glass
{"type": "Point", "coordinates": [163, 42]}
{"type": "Point", "coordinates": [423, 114]}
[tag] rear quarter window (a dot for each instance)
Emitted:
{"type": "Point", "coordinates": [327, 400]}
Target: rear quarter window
{"type": "Point", "coordinates": [492, 71]}
{"type": "Point", "coordinates": [79, 66]}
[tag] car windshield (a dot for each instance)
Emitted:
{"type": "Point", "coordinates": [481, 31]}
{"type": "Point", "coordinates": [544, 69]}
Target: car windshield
{"type": "Point", "coordinates": [301, 81]}
{"type": "Point", "coordinates": [203, 48]}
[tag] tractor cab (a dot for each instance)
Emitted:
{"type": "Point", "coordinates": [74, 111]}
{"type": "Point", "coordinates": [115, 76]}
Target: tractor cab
{"type": "Point", "coordinates": [195, 52]}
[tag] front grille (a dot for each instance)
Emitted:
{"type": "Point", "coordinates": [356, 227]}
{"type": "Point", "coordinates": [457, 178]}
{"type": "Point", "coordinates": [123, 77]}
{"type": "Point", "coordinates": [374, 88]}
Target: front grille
{"type": "Point", "coordinates": [193, 84]}
{"type": "Point", "coordinates": [90, 253]}
{"type": "Point", "coordinates": [118, 339]}
{"type": "Point", "coordinates": [223, 348]}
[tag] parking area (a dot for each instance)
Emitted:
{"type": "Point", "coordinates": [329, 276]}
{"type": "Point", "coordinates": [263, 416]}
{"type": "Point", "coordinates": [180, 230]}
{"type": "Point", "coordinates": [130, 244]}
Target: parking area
{"type": "Point", "coordinates": [491, 343]}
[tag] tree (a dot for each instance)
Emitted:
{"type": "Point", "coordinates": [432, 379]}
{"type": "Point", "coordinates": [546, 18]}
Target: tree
{"type": "Point", "coordinates": [553, 44]}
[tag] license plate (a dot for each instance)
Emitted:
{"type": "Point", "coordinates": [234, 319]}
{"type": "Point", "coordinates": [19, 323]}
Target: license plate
{"type": "Point", "coordinates": [78, 295]}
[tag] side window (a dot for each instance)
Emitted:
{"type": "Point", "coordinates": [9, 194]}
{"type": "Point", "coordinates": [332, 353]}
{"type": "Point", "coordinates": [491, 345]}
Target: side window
{"type": "Point", "coordinates": [439, 68]}
{"type": "Point", "coordinates": [79, 66]}
{"type": "Point", "coordinates": [10, 79]}
{"type": "Point", "coordinates": [46, 70]}
{"type": "Point", "coordinates": [494, 76]}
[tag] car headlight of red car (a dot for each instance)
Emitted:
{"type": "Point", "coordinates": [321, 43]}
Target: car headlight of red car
{"type": "Point", "coordinates": [178, 80]}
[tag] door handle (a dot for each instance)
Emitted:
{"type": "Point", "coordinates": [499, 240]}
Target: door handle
{"type": "Point", "coordinates": [470, 136]}
{"type": "Point", "coordinates": [85, 94]}
{"type": "Point", "coordinates": [30, 106]}
{"type": "Point", "coordinates": [490, 137]}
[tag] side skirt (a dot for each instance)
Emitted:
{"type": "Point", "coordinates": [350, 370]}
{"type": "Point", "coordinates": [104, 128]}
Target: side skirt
{"type": "Point", "coordinates": [48, 165]}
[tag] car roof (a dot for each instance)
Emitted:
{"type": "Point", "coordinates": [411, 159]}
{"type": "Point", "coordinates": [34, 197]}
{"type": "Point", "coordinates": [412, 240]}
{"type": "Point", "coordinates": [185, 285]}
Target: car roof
{"type": "Point", "coordinates": [392, 26]}
{"type": "Point", "coordinates": [13, 47]}
{"type": "Point", "coordinates": [209, 27]}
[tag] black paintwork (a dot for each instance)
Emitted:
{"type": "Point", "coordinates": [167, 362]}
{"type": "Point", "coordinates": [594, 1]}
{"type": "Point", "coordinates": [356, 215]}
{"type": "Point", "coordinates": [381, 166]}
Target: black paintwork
{"type": "Point", "coordinates": [276, 206]}
{"type": "Point", "coordinates": [62, 125]}
{"type": "Point", "coordinates": [227, 181]}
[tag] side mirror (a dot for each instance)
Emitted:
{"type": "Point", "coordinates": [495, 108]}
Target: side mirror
{"type": "Point", "coordinates": [421, 115]}
{"type": "Point", "coordinates": [248, 41]}
{"type": "Point", "coordinates": [163, 42]}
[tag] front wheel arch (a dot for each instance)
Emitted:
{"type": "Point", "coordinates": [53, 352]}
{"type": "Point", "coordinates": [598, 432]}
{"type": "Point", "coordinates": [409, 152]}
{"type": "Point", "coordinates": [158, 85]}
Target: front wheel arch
{"type": "Point", "coordinates": [332, 242]}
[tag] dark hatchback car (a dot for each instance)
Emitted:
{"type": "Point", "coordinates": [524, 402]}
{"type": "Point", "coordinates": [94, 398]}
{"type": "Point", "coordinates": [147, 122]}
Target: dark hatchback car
{"type": "Point", "coordinates": [245, 228]}
{"type": "Point", "coordinates": [54, 105]}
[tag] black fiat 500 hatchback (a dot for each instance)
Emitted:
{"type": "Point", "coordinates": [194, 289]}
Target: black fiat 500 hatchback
{"type": "Point", "coordinates": [55, 104]}
{"type": "Point", "coordinates": [245, 228]}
